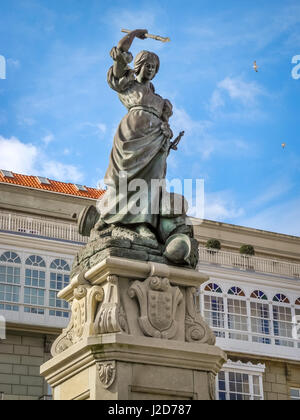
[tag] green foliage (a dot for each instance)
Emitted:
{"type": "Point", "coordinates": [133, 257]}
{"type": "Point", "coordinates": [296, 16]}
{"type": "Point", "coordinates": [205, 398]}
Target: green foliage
{"type": "Point", "coordinates": [213, 244]}
{"type": "Point", "coordinates": [247, 250]}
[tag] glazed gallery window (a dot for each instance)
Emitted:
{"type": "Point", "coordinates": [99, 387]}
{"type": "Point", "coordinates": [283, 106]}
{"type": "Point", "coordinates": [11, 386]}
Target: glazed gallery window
{"type": "Point", "coordinates": [295, 393]}
{"type": "Point", "coordinates": [239, 386]}
{"type": "Point", "coordinates": [59, 278]}
{"type": "Point", "coordinates": [226, 312]}
{"type": "Point", "coordinates": [240, 381]}
{"type": "Point", "coordinates": [260, 317]}
{"type": "Point", "coordinates": [254, 318]}
{"type": "Point", "coordinates": [214, 312]}
{"type": "Point", "coordinates": [237, 314]}
{"type": "Point", "coordinates": [35, 283]}
{"type": "Point", "coordinates": [282, 321]}
{"type": "Point", "coordinates": [10, 265]}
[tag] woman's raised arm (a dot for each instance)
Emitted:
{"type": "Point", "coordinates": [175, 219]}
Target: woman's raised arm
{"type": "Point", "coordinates": [124, 44]}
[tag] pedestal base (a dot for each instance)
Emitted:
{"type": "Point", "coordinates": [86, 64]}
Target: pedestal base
{"type": "Point", "coordinates": [135, 333]}
{"type": "Point", "coordinates": [121, 367]}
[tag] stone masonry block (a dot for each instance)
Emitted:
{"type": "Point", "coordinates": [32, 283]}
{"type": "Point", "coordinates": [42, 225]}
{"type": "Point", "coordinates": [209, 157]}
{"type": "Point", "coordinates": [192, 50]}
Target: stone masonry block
{"type": "Point", "coordinates": [34, 370]}
{"type": "Point", "coordinates": [5, 388]}
{"type": "Point", "coordinates": [6, 348]}
{"type": "Point", "coordinates": [272, 396]}
{"type": "Point", "coordinates": [32, 380]}
{"type": "Point", "coordinates": [20, 370]}
{"type": "Point", "coordinates": [9, 379]}
{"type": "Point", "coordinates": [36, 351]}
{"type": "Point", "coordinates": [22, 350]}
{"type": "Point", "coordinates": [270, 377]}
{"type": "Point", "coordinates": [281, 379]}
{"type": "Point", "coordinates": [32, 361]}
{"type": "Point", "coordinates": [13, 339]}
{"type": "Point", "coordinates": [33, 341]}
{"type": "Point", "coordinates": [35, 391]}
{"type": "Point", "coordinates": [19, 390]}
{"type": "Point", "coordinates": [8, 358]}
{"type": "Point", "coordinates": [6, 368]}
{"type": "Point", "coordinates": [279, 388]}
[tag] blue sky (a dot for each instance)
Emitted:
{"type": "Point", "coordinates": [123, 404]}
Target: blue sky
{"type": "Point", "coordinates": [58, 115]}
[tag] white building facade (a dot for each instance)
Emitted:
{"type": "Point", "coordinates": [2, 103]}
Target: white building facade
{"type": "Point", "coordinates": [252, 303]}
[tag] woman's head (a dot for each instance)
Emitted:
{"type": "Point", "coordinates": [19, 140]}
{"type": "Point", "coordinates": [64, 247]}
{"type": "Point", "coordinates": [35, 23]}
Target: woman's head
{"type": "Point", "coordinates": [146, 58]}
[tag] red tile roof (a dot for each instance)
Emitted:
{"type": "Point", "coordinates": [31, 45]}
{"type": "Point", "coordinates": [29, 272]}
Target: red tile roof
{"type": "Point", "coordinates": [54, 186]}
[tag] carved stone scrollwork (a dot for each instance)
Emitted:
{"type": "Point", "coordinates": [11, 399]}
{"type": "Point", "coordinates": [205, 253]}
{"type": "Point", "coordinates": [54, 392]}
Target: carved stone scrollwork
{"type": "Point", "coordinates": [158, 302]}
{"type": "Point", "coordinates": [212, 386]}
{"type": "Point", "coordinates": [111, 316]}
{"type": "Point", "coordinates": [196, 329]}
{"type": "Point", "coordinates": [84, 303]}
{"type": "Point", "coordinates": [107, 373]}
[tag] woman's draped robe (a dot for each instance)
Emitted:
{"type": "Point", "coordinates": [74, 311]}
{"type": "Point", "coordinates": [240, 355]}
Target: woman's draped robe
{"type": "Point", "coordinates": [139, 152]}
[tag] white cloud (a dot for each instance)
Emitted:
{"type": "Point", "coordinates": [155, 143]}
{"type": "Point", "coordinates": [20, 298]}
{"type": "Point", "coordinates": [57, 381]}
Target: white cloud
{"type": "Point", "coordinates": [280, 218]}
{"type": "Point", "coordinates": [28, 159]}
{"type": "Point", "coordinates": [277, 189]}
{"type": "Point", "coordinates": [240, 90]}
{"type": "Point", "coordinates": [13, 63]}
{"type": "Point", "coordinates": [221, 206]}
{"type": "Point", "coordinates": [129, 19]}
{"type": "Point", "coordinates": [48, 139]}
{"type": "Point", "coordinates": [17, 156]}
{"type": "Point", "coordinates": [245, 93]}
{"type": "Point", "coordinates": [199, 138]}
{"type": "Point", "coordinates": [60, 171]}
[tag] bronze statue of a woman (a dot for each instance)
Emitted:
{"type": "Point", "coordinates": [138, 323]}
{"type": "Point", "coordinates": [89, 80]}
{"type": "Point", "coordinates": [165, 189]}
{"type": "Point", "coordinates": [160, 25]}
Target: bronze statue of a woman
{"type": "Point", "coordinates": [140, 150]}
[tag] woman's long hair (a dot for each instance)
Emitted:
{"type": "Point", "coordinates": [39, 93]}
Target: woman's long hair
{"type": "Point", "coordinates": [142, 57]}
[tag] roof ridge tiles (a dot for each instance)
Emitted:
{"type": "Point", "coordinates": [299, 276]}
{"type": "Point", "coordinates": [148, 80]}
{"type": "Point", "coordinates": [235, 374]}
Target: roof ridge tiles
{"type": "Point", "coordinates": [55, 186]}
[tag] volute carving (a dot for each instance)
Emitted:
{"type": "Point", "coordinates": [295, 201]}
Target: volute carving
{"type": "Point", "coordinates": [84, 303]}
{"type": "Point", "coordinates": [196, 329]}
{"type": "Point", "coordinates": [111, 316]}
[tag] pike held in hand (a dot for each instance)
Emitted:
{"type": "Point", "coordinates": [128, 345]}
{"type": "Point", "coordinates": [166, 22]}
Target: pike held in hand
{"type": "Point", "coordinates": [157, 37]}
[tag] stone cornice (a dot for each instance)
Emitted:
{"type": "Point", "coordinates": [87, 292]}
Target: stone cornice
{"type": "Point", "coordinates": [130, 349]}
{"type": "Point", "coordinates": [140, 270]}
{"type": "Point", "coordinates": [42, 244]}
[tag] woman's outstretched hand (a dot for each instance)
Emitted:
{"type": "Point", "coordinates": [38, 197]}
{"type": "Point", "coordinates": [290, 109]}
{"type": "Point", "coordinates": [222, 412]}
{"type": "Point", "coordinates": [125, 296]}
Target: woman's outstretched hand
{"type": "Point", "coordinates": [127, 40]}
{"type": "Point", "coordinates": [140, 33]}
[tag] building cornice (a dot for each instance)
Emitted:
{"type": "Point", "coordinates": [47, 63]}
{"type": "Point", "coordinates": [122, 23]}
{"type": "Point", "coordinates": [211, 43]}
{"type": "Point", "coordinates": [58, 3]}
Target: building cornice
{"type": "Point", "coordinates": [50, 245]}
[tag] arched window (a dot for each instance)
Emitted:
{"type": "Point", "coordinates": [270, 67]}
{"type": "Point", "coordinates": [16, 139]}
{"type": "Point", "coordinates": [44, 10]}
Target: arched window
{"type": "Point", "coordinates": [260, 317]}
{"type": "Point", "coordinates": [236, 291]}
{"type": "Point", "coordinates": [282, 320]}
{"type": "Point", "coordinates": [9, 281]}
{"type": "Point", "coordinates": [280, 298]}
{"type": "Point", "coordinates": [258, 294]}
{"type": "Point", "coordinates": [59, 264]}
{"type": "Point", "coordinates": [213, 287]}
{"type": "Point", "coordinates": [214, 308]}
{"type": "Point", "coordinates": [36, 261]}
{"type": "Point", "coordinates": [59, 279]}
{"type": "Point", "coordinates": [237, 314]}
{"type": "Point", "coordinates": [297, 313]}
{"type": "Point", "coordinates": [34, 290]}
{"type": "Point", "coordinates": [10, 257]}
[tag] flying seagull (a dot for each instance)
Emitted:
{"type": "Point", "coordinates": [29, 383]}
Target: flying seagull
{"type": "Point", "coordinates": [283, 145]}
{"type": "Point", "coordinates": [255, 67]}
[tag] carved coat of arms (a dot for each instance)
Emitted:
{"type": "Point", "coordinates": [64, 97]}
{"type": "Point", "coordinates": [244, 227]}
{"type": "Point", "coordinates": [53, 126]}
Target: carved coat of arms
{"type": "Point", "coordinates": [158, 302]}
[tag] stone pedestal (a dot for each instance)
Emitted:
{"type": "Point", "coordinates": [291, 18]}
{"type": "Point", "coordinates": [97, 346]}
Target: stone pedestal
{"type": "Point", "coordinates": [135, 333]}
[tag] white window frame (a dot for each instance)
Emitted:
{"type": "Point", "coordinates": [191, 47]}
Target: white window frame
{"type": "Point", "coordinates": [15, 286]}
{"type": "Point", "coordinates": [33, 316]}
{"type": "Point", "coordinates": [244, 369]}
{"type": "Point", "coordinates": [292, 388]}
{"type": "Point", "coordinates": [260, 348]}
{"type": "Point", "coordinates": [64, 309]}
